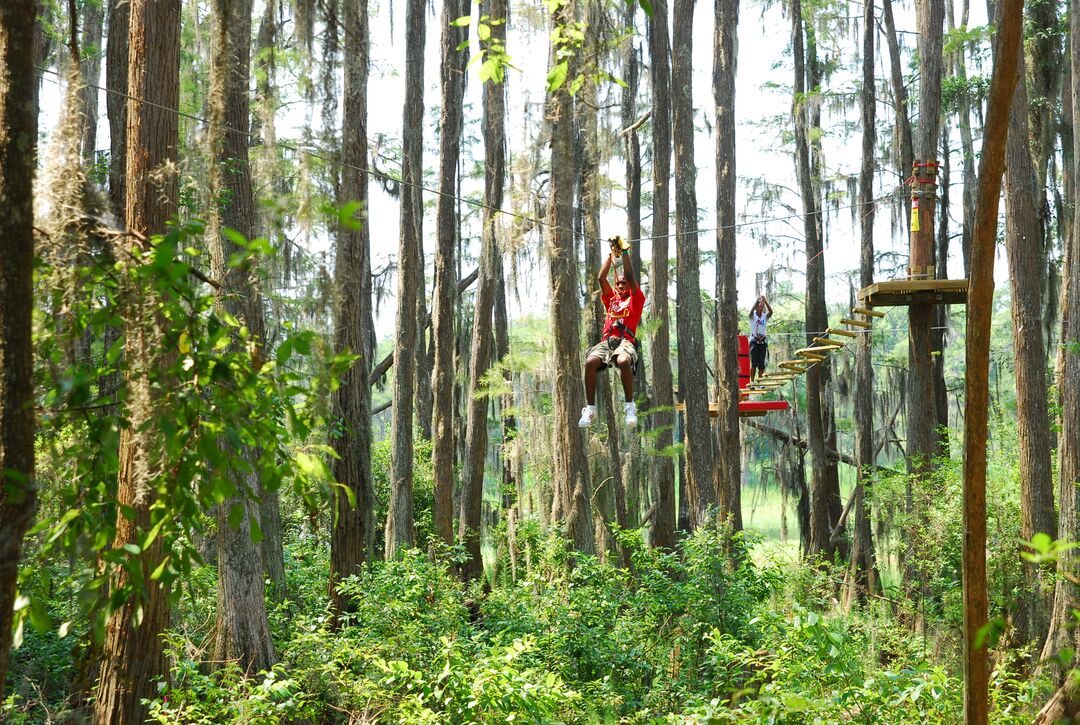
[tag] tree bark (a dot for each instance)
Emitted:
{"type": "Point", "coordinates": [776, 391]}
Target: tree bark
{"type": "Point", "coordinates": [262, 126]}
{"type": "Point", "coordinates": [662, 532]}
{"type": "Point", "coordinates": [1066, 600]}
{"type": "Point", "coordinates": [635, 478]}
{"type": "Point", "coordinates": [18, 160]}
{"type": "Point", "coordinates": [693, 383]}
{"type": "Point", "coordinates": [476, 432]}
{"type": "Point", "coordinates": [980, 309]}
{"type": "Point", "coordinates": [133, 655]}
{"type": "Point", "coordinates": [452, 80]}
{"type": "Point", "coordinates": [1026, 246]}
{"type": "Point", "coordinates": [93, 23]}
{"type": "Point", "coordinates": [903, 143]}
{"type": "Point", "coordinates": [353, 537]}
{"type": "Point", "coordinates": [726, 473]}
{"type": "Point", "coordinates": [572, 483]}
{"type": "Point", "coordinates": [400, 531]}
{"type": "Point", "coordinates": [116, 70]}
{"type": "Point", "coordinates": [816, 316]}
{"type": "Point", "coordinates": [924, 441]}
{"type": "Point", "coordinates": [967, 146]}
{"type": "Point", "coordinates": [242, 630]}
{"type": "Point", "coordinates": [512, 455]}
{"type": "Point", "coordinates": [862, 576]}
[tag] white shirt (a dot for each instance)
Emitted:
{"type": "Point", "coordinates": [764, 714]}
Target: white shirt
{"type": "Point", "coordinates": [758, 324]}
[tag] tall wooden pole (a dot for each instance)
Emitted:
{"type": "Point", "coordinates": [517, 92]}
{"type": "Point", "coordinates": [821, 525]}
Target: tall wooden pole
{"type": "Point", "coordinates": [980, 304]}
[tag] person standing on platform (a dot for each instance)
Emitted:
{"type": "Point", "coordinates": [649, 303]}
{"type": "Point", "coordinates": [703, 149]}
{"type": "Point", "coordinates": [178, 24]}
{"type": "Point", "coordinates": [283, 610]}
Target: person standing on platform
{"type": "Point", "coordinates": [759, 344]}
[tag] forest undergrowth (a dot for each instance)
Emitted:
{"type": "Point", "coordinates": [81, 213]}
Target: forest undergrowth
{"type": "Point", "coordinates": [700, 635]}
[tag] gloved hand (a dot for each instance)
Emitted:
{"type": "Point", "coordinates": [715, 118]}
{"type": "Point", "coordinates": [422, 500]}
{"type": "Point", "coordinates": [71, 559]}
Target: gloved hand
{"type": "Point", "coordinates": [618, 245]}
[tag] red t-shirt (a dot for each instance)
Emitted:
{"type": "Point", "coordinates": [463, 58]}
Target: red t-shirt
{"type": "Point", "coordinates": [628, 310]}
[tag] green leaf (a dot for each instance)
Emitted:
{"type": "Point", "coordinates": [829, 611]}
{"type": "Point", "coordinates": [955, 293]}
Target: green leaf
{"type": "Point", "coordinates": [255, 530]}
{"type": "Point", "coordinates": [236, 515]}
{"type": "Point", "coordinates": [235, 237]}
{"type": "Point", "coordinates": [39, 616]}
{"type": "Point", "coordinates": [483, 31]}
{"type": "Point", "coordinates": [302, 343]}
{"type": "Point", "coordinates": [575, 86]}
{"type": "Point", "coordinates": [646, 6]}
{"type": "Point", "coordinates": [184, 343]}
{"type": "Point", "coordinates": [487, 69]}
{"type": "Point", "coordinates": [347, 215]}
{"type": "Point", "coordinates": [160, 569]}
{"type": "Point", "coordinates": [796, 703]}
{"type": "Point", "coordinates": [284, 351]}
{"type": "Point", "coordinates": [153, 534]}
{"type": "Point", "coordinates": [462, 22]}
{"type": "Point", "coordinates": [114, 351]}
{"type": "Point", "coordinates": [1041, 542]}
{"type": "Point", "coordinates": [557, 76]}
{"type": "Point", "coordinates": [132, 549]}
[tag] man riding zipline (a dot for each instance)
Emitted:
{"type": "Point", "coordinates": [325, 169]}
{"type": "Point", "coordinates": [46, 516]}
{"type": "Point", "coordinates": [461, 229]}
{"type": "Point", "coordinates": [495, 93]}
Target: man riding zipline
{"type": "Point", "coordinates": [617, 347]}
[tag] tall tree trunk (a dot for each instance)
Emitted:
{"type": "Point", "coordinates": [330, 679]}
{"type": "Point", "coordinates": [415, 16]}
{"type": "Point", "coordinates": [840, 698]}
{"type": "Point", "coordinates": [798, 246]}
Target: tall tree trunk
{"type": "Point", "coordinates": [262, 126]}
{"type": "Point", "coordinates": [635, 478]}
{"type": "Point", "coordinates": [862, 577]}
{"type": "Point", "coordinates": [1061, 633]}
{"type": "Point", "coordinates": [902, 133]}
{"type": "Point", "coordinates": [116, 70]}
{"type": "Point", "coordinates": [816, 283]}
{"type": "Point", "coordinates": [967, 146]}
{"type": "Point", "coordinates": [923, 440]}
{"type": "Point", "coordinates": [512, 477]}
{"type": "Point", "coordinates": [816, 317]}
{"type": "Point", "coordinates": [476, 430]}
{"type": "Point", "coordinates": [400, 532]}
{"type": "Point", "coordinates": [18, 160]}
{"type": "Point", "coordinates": [572, 483]}
{"type": "Point", "coordinates": [610, 498]}
{"type": "Point", "coordinates": [1045, 73]}
{"type": "Point", "coordinates": [663, 473]}
{"type": "Point", "coordinates": [726, 478]}
{"type": "Point", "coordinates": [1026, 247]}
{"type": "Point", "coordinates": [133, 656]}
{"type": "Point", "coordinates": [980, 310]}
{"type": "Point", "coordinates": [472, 489]}
{"type": "Point", "coordinates": [693, 383]}
{"type": "Point", "coordinates": [93, 23]}
{"type": "Point", "coordinates": [941, 312]}
{"type": "Point", "coordinates": [352, 541]}
{"type": "Point", "coordinates": [452, 79]}
{"type": "Point", "coordinates": [242, 629]}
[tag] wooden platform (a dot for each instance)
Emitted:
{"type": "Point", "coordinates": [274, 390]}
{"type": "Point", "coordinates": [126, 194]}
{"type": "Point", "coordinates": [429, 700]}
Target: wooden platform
{"type": "Point", "coordinates": [906, 292]}
{"type": "Point", "coordinates": [747, 408]}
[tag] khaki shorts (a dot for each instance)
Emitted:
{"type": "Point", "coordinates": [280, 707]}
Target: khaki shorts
{"type": "Point", "coordinates": [610, 348]}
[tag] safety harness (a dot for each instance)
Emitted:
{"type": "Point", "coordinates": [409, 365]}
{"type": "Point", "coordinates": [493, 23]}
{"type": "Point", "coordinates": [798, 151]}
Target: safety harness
{"type": "Point", "coordinates": [624, 333]}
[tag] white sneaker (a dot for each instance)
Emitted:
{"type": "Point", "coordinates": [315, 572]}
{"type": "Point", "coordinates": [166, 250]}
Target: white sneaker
{"type": "Point", "coordinates": [588, 416]}
{"type": "Point", "coordinates": [631, 415]}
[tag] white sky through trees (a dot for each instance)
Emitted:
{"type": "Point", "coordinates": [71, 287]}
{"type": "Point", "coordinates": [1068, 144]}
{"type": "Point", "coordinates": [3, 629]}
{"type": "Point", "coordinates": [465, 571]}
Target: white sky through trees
{"type": "Point", "coordinates": [763, 123]}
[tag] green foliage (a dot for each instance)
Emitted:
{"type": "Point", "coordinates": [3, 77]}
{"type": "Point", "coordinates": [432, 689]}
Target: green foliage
{"type": "Point", "coordinates": [423, 485]}
{"type": "Point", "coordinates": [492, 56]}
{"type": "Point", "coordinates": [224, 409]}
{"type": "Point", "coordinates": [226, 695]}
